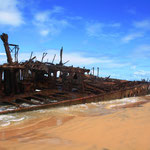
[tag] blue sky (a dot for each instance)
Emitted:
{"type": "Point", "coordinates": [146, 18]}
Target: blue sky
{"type": "Point", "coordinates": [113, 35]}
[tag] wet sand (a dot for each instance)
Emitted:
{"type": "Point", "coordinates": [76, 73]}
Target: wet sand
{"type": "Point", "coordinates": [84, 127]}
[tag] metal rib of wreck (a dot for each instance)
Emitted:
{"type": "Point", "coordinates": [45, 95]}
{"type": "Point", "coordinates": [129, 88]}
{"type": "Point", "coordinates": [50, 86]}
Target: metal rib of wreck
{"type": "Point", "coordinates": [32, 85]}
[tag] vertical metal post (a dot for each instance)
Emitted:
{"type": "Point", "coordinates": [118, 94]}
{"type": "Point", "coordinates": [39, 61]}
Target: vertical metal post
{"type": "Point", "coordinates": [31, 55]}
{"type": "Point", "coordinates": [44, 54]}
{"type": "Point", "coordinates": [97, 71]}
{"type": "Point", "coordinates": [16, 53]}
{"type": "Point", "coordinates": [53, 58]}
{"type": "Point", "coordinates": [0, 79]}
{"type": "Point", "coordinates": [61, 53]}
{"type": "Point", "coordinates": [93, 71]}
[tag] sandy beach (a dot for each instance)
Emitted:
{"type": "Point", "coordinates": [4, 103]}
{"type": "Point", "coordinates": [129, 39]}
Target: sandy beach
{"type": "Point", "coordinates": [82, 127]}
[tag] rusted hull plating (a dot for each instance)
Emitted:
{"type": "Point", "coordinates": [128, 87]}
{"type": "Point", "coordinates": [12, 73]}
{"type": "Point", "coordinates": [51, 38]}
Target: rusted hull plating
{"type": "Point", "coordinates": [135, 91]}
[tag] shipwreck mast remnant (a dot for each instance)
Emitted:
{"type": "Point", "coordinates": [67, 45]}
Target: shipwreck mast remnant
{"type": "Point", "coordinates": [61, 53]}
{"type": "Point", "coordinates": [4, 38]}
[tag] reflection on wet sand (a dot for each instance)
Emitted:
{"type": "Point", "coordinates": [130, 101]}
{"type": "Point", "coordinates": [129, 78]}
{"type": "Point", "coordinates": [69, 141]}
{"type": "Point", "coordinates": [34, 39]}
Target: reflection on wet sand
{"type": "Point", "coordinates": [95, 126]}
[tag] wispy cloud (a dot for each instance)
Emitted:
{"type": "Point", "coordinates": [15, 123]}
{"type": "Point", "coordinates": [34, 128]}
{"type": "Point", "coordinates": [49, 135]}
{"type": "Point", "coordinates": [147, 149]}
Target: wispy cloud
{"type": "Point", "coordinates": [115, 25]}
{"type": "Point", "coordinates": [99, 29]}
{"type": "Point", "coordinates": [2, 54]}
{"type": "Point", "coordinates": [139, 29]}
{"type": "Point", "coordinates": [82, 60]}
{"type": "Point", "coordinates": [44, 32]}
{"type": "Point", "coordinates": [57, 9]}
{"type": "Point", "coordinates": [10, 13]}
{"type": "Point", "coordinates": [144, 24]}
{"type": "Point", "coordinates": [108, 65]}
{"type": "Point", "coordinates": [132, 36]}
{"type": "Point", "coordinates": [142, 51]}
{"type": "Point", "coordinates": [42, 16]}
{"type": "Point", "coordinates": [74, 17]}
{"type": "Point", "coordinates": [48, 24]}
{"type": "Point", "coordinates": [94, 29]}
{"type": "Point", "coordinates": [131, 11]}
{"type": "Point", "coordinates": [141, 74]}
{"type": "Point", "coordinates": [3, 58]}
{"type": "Point", "coordinates": [72, 56]}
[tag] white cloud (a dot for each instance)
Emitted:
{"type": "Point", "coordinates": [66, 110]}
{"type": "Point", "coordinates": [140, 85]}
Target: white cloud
{"type": "Point", "coordinates": [140, 29]}
{"type": "Point", "coordinates": [44, 32]}
{"type": "Point", "coordinates": [142, 74]}
{"type": "Point", "coordinates": [131, 37]}
{"type": "Point", "coordinates": [3, 58]}
{"type": "Point", "coordinates": [48, 24]}
{"type": "Point", "coordinates": [57, 9]}
{"type": "Point", "coordinates": [94, 29]}
{"type": "Point", "coordinates": [2, 54]}
{"type": "Point", "coordinates": [9, 13]}
{"type": "Point", "coordinates": [115, 25]}
{"type": "Point", "coordinates": [100, 30]}
{"type": "Point", "coordinates": [76, 59]}
{"type": "Point", "coordinates": [144, 24]}
{"type": "Point", "coordinates": [42, 16]}
{"type": "Point", "coordinates": [117, 65]}
{"type": "Point", "coordinates": [142, 51]}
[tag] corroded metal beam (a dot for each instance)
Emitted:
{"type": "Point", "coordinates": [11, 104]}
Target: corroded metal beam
{"type": "Point", "coordinates": [4, 38]}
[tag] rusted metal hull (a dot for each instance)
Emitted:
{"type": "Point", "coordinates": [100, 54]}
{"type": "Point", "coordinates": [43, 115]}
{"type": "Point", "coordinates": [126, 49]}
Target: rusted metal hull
{"type": "Point", "coordinates": [140, 90]}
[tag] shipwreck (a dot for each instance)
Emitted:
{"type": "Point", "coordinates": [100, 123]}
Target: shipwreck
{"type": "Point", "coordinates": [40, 84]}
